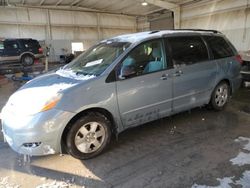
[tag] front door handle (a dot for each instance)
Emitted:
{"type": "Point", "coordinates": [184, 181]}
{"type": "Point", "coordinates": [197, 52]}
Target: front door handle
{"type": "Point", "coordinates": [164, 77]}
{"type": "Point", "coordinates": [178, 73]}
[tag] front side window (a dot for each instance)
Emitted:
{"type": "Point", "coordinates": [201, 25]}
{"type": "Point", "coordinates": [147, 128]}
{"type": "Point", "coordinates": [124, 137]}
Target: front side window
{"type": "Point", "coordinates": [10, 45]}
{"type": "Point", "coordinates": [97, 59]}
{"type": "Point", "coordinates": [219, 47]}
{"type": "Point", "coordinates": [145, 58]}
{"type": "Point", "coordinates": [187, 50]}
{"type": "Point", "coordinates": [1, 45]}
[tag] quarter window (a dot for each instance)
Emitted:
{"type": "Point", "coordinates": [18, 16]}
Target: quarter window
{"type": "Point", "coordinates": [30, 43]}
{"type": "Point", "coordinates": [145, 58]}
{"type": "Point", "coordinates": [187, 50]}
{"type": "Point", "coordinates": [219, 47]}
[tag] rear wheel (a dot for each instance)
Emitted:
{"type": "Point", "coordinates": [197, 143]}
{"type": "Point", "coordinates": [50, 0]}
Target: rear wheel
{"type": "Point", "coordinates": [27, 60]}
{"type": "Point", "coordinates": [220, 96]}
{"type": "Point", "coordinates": [89, 136]}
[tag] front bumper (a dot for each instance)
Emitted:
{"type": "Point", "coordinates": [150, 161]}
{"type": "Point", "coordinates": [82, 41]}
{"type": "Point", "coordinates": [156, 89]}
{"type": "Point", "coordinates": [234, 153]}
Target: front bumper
{"type": "Point", "coordinates": [36, 135]}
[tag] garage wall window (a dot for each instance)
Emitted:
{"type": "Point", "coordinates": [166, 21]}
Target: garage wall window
{"type": "Point", "coordinates": [187, 50]}
{"type": "Point", "coordinates": [77, 47]}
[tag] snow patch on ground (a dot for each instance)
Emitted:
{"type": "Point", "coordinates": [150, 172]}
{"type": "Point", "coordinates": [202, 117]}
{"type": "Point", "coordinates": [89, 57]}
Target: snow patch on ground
{"type": "Point", "coordinates": [243, 158]}
{"type": "Point", "coordinates": [54, 184]}
{"type": "Point", "coordinates": [245, 180]}
{"type": "Point", "coordinates": [224, 183]}
{"type": "Point", "coordinates": [242, 139]}
{"type": "Point", "coordinates": [4, 183]}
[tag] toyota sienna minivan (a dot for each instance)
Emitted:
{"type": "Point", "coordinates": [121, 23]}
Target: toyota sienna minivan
{"type": "Point", "coordinates": [117, 84]}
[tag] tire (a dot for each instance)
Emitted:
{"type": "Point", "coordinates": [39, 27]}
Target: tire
{"type": "Point", "coordinates": [89, 136]}
{"type": "Point", "coordinates": [27, 60]}
{"type": "Point", "coordinates": [220, 96]}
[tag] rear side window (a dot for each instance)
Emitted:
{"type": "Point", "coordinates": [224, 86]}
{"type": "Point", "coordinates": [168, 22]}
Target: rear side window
{"type": "Point", "coordinates": [187, 50]}
{"type": "Point", "coordinates": [10, 45]}
{"type": "Point", "coordinates": [219, 47]}
{"type": "Point", "coordinates": [30, 44]}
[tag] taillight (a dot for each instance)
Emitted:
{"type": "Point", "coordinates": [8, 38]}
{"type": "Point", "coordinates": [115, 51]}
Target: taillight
{"type": "Point", "coordinates": [238, 58]}
{"type": "Point", "coordinates": [40, 50]}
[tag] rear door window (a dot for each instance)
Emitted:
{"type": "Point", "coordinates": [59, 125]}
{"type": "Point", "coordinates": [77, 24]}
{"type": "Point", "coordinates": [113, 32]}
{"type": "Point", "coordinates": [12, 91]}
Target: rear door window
{"type": "Point", "coordinates": [219, 47]}
{"type": "Point", "coordinates": [187, 50]}
{"type": "Point", "coordinates": [10, 45]}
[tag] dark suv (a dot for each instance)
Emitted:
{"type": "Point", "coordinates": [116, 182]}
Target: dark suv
{"type": "Point", "coordinates": [24, 51]}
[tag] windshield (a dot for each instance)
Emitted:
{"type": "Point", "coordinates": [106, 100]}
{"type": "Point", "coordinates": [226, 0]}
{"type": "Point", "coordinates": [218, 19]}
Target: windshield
{"type": "Point", "coordinates": [97, 59]}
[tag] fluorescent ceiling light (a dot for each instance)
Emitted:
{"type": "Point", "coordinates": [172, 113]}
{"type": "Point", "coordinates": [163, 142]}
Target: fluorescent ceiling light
{"type": "Point", "coordinates": [144, 3]}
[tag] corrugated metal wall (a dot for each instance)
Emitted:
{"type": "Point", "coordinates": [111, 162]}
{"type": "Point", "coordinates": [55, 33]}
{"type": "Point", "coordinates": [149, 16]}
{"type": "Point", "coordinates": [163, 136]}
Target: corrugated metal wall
{"type": "Point", "coordinates": [59, 28]}
{"type": "Point", "coordinates": [229, 16]}
{"type": "Point", "coordinates": [232, 17]}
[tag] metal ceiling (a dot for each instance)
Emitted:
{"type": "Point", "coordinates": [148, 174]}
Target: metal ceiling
{"type": "Point", "coordinates": [128, 7]}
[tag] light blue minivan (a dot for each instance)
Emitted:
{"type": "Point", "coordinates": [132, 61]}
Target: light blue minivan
{"type": "Point", "coordinates": [120, 83]}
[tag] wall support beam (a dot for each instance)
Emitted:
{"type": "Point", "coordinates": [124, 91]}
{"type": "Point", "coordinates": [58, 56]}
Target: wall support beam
{"type": "Point", "coordinates": [169, 6]}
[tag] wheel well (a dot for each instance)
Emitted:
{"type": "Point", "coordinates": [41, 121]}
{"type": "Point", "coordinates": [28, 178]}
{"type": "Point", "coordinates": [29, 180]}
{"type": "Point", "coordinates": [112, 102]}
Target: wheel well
{"type": "Point", "coordinates": [228, 82]}
{"type": "Point", "coordinates": [103, 111]}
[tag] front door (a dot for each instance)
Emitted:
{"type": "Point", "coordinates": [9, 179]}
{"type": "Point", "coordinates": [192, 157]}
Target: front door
{"type": "Point", "coordinates": [146, 93]}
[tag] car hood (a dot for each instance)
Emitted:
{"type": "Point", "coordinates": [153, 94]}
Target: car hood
{"type": "Point", "coordinates": [31, 98]}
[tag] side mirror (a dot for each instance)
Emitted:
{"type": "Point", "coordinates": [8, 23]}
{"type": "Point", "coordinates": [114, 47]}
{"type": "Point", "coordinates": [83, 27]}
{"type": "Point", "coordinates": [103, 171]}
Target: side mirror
{"type": "Point", "coordinates": [127, 72]}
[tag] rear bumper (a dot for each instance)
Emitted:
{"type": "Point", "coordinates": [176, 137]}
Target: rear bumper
{"type": "Point", "coordinates": [38, 56]}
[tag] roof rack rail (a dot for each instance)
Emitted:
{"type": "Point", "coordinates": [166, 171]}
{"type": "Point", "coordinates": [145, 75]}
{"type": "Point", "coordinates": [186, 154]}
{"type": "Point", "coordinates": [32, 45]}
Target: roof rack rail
{"type": "Point", "coordinates": [205, 30]}
{"type": "Point", "coordinates": [154, 31]}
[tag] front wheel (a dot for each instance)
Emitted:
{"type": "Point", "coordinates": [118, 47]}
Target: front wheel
{"type": "Point", "coordinates": [220, 96]}
{"type": "Point", "coordinates": [89, 136]}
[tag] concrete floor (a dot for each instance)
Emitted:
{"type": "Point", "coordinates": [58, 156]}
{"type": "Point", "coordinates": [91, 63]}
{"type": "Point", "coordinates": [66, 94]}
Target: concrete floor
{"type": "Point", "coordinates": [199, 148]}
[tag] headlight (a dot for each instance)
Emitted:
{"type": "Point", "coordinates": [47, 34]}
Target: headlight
{"type": "Point", "coordinates": [51, 103]}
{"type": "Point", "coordinates": [29, 105]}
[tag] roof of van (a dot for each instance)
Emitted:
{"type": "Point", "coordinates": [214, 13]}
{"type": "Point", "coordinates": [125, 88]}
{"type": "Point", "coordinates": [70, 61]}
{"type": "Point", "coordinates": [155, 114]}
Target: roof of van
{"type": "Point", "coordinates": [134, 37]}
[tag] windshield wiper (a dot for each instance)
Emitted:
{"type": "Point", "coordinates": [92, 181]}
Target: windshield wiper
{"type": "Point", "coordinates": [84, 73]}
